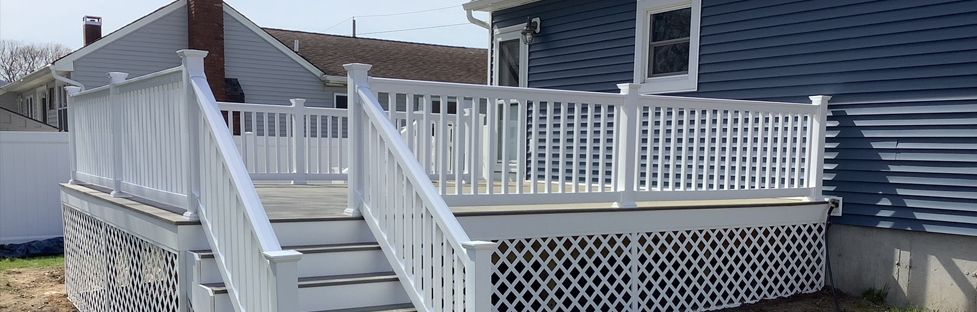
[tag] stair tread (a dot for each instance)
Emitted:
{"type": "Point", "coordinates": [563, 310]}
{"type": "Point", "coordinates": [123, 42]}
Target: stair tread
{"type": "Point", "coordinates": [307, 249]}
{"type": "Point", "coordinates": [404, 307]}
{"type": "Point", "coordinates": [328, 280]}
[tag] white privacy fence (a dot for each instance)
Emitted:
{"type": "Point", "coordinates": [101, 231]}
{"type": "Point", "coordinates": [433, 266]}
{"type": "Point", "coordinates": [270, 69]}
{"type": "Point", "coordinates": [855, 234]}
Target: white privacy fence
{"type": "Point", "coordinates": [162, 137]}
{"type": "Point", "coordinates": [32, 164]}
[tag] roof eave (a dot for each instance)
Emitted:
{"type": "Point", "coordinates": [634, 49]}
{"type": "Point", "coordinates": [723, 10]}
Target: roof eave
{"type": "Point", "coordinates": [494, 5]}
{"type": "Point", "coordinates": [31, 81]}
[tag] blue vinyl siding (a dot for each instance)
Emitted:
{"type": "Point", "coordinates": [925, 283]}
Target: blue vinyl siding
{"type": "Point", "coordinates": [902, 146]}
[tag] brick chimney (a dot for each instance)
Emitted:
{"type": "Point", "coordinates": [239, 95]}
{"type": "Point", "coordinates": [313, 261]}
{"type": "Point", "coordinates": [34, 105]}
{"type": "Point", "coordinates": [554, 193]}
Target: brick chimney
{"type": "Point", "coordinates": [93, 29]}
{"type": "Point", "coordinates": [205, 31]}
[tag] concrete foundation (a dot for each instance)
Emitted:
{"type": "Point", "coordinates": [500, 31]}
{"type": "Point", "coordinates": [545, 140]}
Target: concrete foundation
{"type": "Point", "coordinates": [932, 271]}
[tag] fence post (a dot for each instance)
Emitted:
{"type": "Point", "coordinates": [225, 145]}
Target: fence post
{"type": "Point", "coordinates": [118, 155]}
{"type": "Point", "coordinates": [72, 150]}
{"type": "Point", "coordinates": [284, 270]}
{"type": "Point", "coordinates": [815, 172]}
{"type": "Point", "coordinates": [626, 145]}
{"type": "Point", "coordinates": [357, 76]}
{"type": "Point", "coordinates": [298, 132]}
{"type": "Point", "coordinates": [193, 67]}
{"type": "Point", "coordinates": [478, 285]}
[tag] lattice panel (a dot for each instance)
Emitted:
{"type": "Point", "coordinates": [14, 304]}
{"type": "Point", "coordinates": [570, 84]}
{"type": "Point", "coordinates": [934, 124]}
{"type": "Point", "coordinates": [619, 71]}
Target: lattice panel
{"type": "Point", "coordinates": [107, 269]}
{"type": "Point", "coordinates": [690, 270]}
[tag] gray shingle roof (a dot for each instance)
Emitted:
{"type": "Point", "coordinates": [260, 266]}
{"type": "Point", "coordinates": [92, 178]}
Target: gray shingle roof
{"type": "Point", "coordinates": [390, 59]}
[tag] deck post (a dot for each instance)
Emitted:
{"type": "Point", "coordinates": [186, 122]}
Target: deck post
{"type": "Point", "coordinates": [626, 145]}
{"type": "Point", "coordinates": [193, 66]}
{"type": "Point", "coordinates": [72, 151]}
{"type": "Point", "coordinates": [357, 76]}
{"type": "Point", "coordinates": [115, 102]}
{"type": "Point", "coordinates": [478, 285]}
{"type": "Point", "coordinates": [298, 132]}
{"type": "Point", "coordinates": [815, 171]}
{"type": "Point", "coordinates": [284, 272]}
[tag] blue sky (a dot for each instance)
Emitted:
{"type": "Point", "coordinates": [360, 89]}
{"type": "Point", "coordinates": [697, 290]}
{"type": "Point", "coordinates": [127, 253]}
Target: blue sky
{"type": "Point", "coordinates": [60, 20]}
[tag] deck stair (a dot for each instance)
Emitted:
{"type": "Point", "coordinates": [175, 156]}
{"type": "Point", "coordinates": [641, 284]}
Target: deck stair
{"type": "Point", "coordinates": [342, 269]}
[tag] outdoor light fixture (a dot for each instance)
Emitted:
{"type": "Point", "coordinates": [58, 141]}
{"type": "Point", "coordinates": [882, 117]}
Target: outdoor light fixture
{"type": "Point", "coordinates": [531, 30]}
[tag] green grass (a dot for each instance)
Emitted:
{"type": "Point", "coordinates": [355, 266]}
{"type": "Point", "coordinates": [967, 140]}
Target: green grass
{"type": "Point", "coordinates": [37, 262]}
{"type": "Point", "coordinates": [876, 296]}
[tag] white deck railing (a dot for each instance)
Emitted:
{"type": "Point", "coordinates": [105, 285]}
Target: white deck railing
{"type": "Point", "coordinates": [555, 146]}
{"type": "Point", "coordinates": [162, 137]}
{"type": "Point", "coordinates": [438, 265]}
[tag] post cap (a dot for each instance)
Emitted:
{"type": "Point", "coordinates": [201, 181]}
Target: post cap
{"type": "Point", "coordinates": [72, 90]}
{"type": "Point", "coordinates": [820, 99]}
{"type": "Point", "coordinates": [117, 77]}
{"type": "Point", "coordinates": [297, 102]}
{"type": "Point", "coordinates": [283, 256]}
{"type": "Point", "coordinates": [191, 53]}
{"type": "Point", "coordinates": [357, 67]}
{"type": "Point", "coordinates": [629, 88]}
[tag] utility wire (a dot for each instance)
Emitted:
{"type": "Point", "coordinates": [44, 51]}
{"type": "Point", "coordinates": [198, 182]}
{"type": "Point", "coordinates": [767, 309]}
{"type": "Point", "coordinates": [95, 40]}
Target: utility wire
{"type": "Point", "coordinates": [409, 29]}
{"type": "Point", "coordinates": [390, 14]}
{"type": "Point", "coordinates": [411, 12]}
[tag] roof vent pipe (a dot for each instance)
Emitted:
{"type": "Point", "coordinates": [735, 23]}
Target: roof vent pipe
{"type": "Point", "coordinates": [295, 45]}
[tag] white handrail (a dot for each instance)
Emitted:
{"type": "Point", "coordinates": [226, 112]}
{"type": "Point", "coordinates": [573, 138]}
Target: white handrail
{"type": "Point", "coordinates": [437, 263]}
{"type": "Point", "coordinates": [258, 274]}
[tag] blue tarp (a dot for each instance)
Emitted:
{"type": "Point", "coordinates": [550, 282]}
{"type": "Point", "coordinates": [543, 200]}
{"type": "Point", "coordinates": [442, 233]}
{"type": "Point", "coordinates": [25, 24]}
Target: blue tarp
{"type": "Point", "coordinates": [46, 247]}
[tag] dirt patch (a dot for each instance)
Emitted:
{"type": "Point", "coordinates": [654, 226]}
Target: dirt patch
{"type": "Point", "coordinates": [33, 289]}
{"type": "Point", "coordinates": [814, 302]}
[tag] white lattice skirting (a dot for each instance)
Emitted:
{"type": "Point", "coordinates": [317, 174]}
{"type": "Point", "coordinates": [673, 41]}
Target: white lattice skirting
{"type": "Point", "coordinates": [689, 270]}
{"type": "Point", "coordinates": [107, 269]}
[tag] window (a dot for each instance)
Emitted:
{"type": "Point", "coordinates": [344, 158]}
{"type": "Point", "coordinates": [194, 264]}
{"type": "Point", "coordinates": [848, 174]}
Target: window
{"type": "Point", "coordinates": [341, 100]}
{"type": "Point", "coordinates": [667, 45]}
{"type": "Point", "coordinates": [510, 57]}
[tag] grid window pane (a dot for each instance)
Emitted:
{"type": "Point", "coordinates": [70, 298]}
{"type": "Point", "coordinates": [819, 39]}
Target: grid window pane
{"type": "Point", "coordinates": [671, 25]}
{"type": "Point", "coordinates": [670, 58]}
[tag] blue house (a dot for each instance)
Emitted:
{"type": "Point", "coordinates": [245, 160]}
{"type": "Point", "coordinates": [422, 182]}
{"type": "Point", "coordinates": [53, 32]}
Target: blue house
{"type": "Point", "coordinates": [902, 131]}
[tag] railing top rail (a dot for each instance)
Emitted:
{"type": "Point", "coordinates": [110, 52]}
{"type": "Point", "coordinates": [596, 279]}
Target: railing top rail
{"type": "Point", "coordinates": [239, 174]}
{"type": "Point", "coordinates": [132, 80]}
{"type": "Point", "coordinates": [469, 90]}
{"type": "Point", "coordinates": [724, 104]}
{"type": "Point", "coordinates": [454, 233]}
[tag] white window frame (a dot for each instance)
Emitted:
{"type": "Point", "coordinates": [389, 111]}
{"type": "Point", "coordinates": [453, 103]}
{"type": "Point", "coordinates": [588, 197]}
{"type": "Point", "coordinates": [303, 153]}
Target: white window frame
{"type": "Point", "coordinates": [505, 34]}
{"type": "Point", "coordinates": [673, 83]}
{"type": "Point", "coordinates": [335, 100]}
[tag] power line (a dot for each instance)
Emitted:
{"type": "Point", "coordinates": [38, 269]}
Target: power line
{"type": "Point", "coordinates": [390, 14]}
{"type": "Point", "coordinates": [409, 29]}
{"type": "Point", "coordinates": [411, 12]}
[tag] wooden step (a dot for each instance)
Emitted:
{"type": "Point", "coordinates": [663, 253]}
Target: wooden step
{"type": "Point", "coordinates": [322, 281]}
{"type": "Point", "coordinates": [407, 307]}
{"type": "Point", "coordinates": [311, 249]}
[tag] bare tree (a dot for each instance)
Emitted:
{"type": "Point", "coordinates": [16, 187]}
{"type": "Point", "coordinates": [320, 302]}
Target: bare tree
{"type": "Point", "coordinates": [18, 59]}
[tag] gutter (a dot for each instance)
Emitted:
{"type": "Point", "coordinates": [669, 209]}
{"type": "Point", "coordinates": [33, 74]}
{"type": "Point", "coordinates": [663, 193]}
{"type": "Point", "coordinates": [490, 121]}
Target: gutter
{"type": "Point", "coordinates": [473, 20]}
{"type": "Point", "coordinates": [64, 79]}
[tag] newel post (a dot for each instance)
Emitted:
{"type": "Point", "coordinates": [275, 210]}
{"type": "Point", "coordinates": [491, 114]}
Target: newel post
{"type": "Point", "coordinates": [626, 145]}
{"type": "Point", "coordinates": [298, 132]}
{"type": "Point", "coordinates": [72, 149]}
{"type": "Point", "coordinates": [357, 77]}
{"type": "Point", "coordinates": [116, 105]}
{"type": "Point", "coordinates": [815, 173]}
{"type": "Point", "coordinates": [478, 283]}
{"type": "Point", "coordinates": [284, 275]}
{"type": "Point", "coordinates": [193, 67]}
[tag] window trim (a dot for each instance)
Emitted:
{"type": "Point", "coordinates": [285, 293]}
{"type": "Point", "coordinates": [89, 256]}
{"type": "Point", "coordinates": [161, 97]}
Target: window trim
{"type": "Point", "coordinates": [335, 100]}
{"type": "Point", "coordinates": [505, 34]}
{"type": "Point", "coordinates": [666, 83]}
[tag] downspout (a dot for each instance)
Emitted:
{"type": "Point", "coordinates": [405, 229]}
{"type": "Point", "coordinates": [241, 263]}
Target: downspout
{"type": "Point", "coordinates": [488, 58]}
{"type": "Point", "coordinates": [64, 79]}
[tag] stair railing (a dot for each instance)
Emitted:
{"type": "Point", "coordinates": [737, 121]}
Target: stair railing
{"type": "Point", "coordinates": [441, 268]}
{"type": "Point", "coordinates": [258, 274]}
